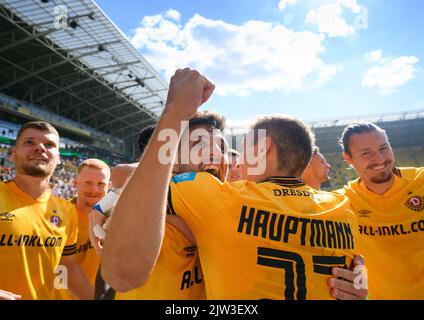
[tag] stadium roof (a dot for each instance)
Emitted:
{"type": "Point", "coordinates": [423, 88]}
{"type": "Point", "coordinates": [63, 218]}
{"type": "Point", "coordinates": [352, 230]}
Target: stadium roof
{"type": "Point", "coordinates": [69, 57]}
{"type": "Point", "coordinates": [381, 117]}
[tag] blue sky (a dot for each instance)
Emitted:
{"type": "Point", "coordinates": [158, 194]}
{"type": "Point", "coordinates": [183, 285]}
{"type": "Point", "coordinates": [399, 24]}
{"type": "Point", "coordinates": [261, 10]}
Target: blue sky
{"type": "Point", "coordinates": [314, 59]}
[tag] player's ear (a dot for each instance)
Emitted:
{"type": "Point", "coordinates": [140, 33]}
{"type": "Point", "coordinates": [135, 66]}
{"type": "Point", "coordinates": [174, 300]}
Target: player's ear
{"type": "Point", "coordinates": [347, 158]}
{"type": "Point", "coordinates": [75, 180]}
{"type": "Point", "coordinates": [265, 146]}
{"type": "Point", "coordinates": [268, 144]}
{"type": "Point", "coordinates": [12, 154]}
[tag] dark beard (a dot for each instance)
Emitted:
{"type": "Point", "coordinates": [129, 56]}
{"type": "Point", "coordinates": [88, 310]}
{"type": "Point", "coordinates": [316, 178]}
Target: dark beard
{"type": "Point", "coordinates": [383, 178]}
{"type": "Point", "coordinates": [35, 171]}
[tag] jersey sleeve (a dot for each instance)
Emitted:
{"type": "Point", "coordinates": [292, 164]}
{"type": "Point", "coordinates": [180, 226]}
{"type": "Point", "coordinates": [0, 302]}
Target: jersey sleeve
{"type": "Point", "coordinates": [72, 232]}
{"type": "Point", "coordinates": [197, 198]}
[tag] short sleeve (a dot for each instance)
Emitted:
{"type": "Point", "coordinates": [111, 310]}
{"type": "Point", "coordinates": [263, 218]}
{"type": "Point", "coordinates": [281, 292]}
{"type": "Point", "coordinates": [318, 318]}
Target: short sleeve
{"type": "Point", "coordinates": [197, 197]}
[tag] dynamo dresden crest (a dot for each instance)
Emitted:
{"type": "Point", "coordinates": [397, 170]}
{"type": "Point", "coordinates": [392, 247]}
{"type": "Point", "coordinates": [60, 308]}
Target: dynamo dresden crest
{"type": "Point", "coordinates": [55, 220]}
{"type": "Point", "coordinates": [415, 203]}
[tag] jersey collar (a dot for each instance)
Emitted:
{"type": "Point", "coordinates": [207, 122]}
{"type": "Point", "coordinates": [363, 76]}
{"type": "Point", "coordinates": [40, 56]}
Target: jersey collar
{"type": "Point", "coordinates": [284, 181]}
{"type": "Point", "coordinates": [20, 193]}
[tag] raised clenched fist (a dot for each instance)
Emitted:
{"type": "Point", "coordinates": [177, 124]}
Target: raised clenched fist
{"type": "Point", "coordinates": [188, 90]}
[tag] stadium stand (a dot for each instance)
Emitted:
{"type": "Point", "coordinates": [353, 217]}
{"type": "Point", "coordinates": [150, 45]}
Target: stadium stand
{"type": "Point", "coordinates": [405, 131]}
{"type": "Point", "coordinates": [81, 74]}
{"type": "Point", "coordinates": [86, 78]}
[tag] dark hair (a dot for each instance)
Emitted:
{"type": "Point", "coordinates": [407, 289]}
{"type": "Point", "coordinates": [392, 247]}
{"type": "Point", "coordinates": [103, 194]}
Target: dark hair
{"type": "Point", "coordinates": [144, 137]}
{"type": "Point", "coordinates": [38, 125]}
{"type": "Point", "coordinates": [205, 118]}
{"type": "Point", "coordinates": [292, 138]}
{"type": "Point", "coordinates": [357, 128]}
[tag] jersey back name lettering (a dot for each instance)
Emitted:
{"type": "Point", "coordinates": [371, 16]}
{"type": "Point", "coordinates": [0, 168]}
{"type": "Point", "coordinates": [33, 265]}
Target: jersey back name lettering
{"type": "Point", "coordinates": [255, 243]}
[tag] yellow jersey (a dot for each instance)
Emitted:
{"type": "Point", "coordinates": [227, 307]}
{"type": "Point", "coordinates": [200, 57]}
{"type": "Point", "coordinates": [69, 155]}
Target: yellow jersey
{"type": "Point", "coordinates": [275, 239]}
{"type": "Point", "coordinates": [34, 234]}
{"type": "Point", "coordinates": [85, 254]}
{"type": "Point", "coordinates": [177, 274]}
{"type": "Point", "coordinates": [392, 229]}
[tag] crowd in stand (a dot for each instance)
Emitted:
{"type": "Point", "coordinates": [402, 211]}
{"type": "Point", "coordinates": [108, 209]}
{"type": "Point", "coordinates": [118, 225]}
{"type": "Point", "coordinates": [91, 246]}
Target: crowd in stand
{"type": "Point", "coordinates": [63, 186]}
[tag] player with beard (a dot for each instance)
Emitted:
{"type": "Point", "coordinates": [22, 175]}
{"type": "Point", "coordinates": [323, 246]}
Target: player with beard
{"type": "Point", "coordinates": [317, 170]}
{"type": "Point", "coordinates": [389, 204]}
{"type": "Point", "coordinates": [205, 204]}
{"type": "Point", "coordinates": [177, 274]}
{"type": "Point", "coordinates": [92, 183]}
{"type": "Point", "coordinates": [39, 230]}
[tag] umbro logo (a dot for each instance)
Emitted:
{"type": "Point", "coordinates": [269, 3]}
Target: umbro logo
{"type": "Point", "coordinates": [415, 203]}
{"type": "Point", "coordinates": [6, 216]}
{"type": "Point", "coordinates": [364, 213]}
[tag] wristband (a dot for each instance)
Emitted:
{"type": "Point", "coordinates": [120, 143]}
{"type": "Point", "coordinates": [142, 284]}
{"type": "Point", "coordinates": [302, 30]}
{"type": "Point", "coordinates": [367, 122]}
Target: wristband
{"type": "Point", "coordinates": [99, 232]}
{"type": "Point", "coordinates": [106, 204]}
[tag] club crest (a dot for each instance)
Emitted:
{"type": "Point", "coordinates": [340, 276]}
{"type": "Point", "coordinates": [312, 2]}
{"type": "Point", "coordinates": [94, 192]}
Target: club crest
{"type": "Point", "coordinates": [415, 203]}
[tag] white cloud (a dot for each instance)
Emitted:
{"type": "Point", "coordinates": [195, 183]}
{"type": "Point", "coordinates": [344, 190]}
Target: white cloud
{"type": "Point", "coordinates": [330, 20]}
{"type": "Point", "coordinates": [173, 14]}
{"type": "Point", "coordinates": [374, 55]}
{"type": "Point", "coordinates": [350, 4]}
{"type": "Point", "coordinates": [254, 56]}
{"type": "Point", "coordinates": [284, 3]}
{"type": "Point", "coordinates": [391, 73]}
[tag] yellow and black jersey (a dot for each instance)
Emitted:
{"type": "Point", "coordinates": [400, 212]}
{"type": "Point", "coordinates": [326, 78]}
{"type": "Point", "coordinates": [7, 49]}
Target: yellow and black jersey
{"type": "Point", "coordinates": [85, 254]}
{"type": "Point", "coordinates": [392, 228]}
{"type": "Point", "coordinates": [34, 234]}
{"type": "Point", "coordinates": [177, 274]}
{"type": "Point", "coordinates": [275, 239]}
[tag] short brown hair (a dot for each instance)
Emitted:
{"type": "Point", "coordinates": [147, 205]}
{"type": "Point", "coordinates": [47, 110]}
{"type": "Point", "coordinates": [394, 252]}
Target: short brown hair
{"type": "Point", "coordinates": [205, 118]}
{"type": "Point", "coordinates": [94, 164]}
{"type": "Point", "coordinates": [292, 138]}
{"type": "Point", "coordinates": [38, 125]}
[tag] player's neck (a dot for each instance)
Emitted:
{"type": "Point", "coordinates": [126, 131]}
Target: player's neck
{"type": "Point", "coordinates": [311, 181]}
{"type": "Point", "coordinates": [274, 173]}
{"type": "Point", "coordinates": [379, 188]}
{"type": "Point", "coordinates": [82, 207]}
{"type": "Point", "coordinates": [315, 184]}
{"type": "Point", "coordinates": [33, 186]}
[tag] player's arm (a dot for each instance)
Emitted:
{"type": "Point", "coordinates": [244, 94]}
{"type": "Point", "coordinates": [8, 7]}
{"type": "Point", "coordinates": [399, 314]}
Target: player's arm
{"type": "Point", "coordinates": [6, 295]}
{"type": "Point", "coordinates": [136, 231]}
{"type": "Point", "coordinates": [77, 281]}
{"type": "Point", "coordinates": [344, 284]}
{"type": "Point", "coordinates": [120, 174]}
{"type": "Point", "coordinates": [97, 218]}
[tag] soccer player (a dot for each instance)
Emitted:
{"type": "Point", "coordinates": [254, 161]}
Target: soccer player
{"type": "Point", "coordinates": [389, 205]}
{"type": "Point", "coordinates": [317, 170]}
{"type": "Point", "coordinates": [266, 237]}
{"type": "Point", "coordinates": [92, 183]}
{"type": "Point", "coordinates": [234, 173]}
{"type": "Point", "coordinates": [177, 273]}
{"type": "Point", "coordinates": [38, 231]}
